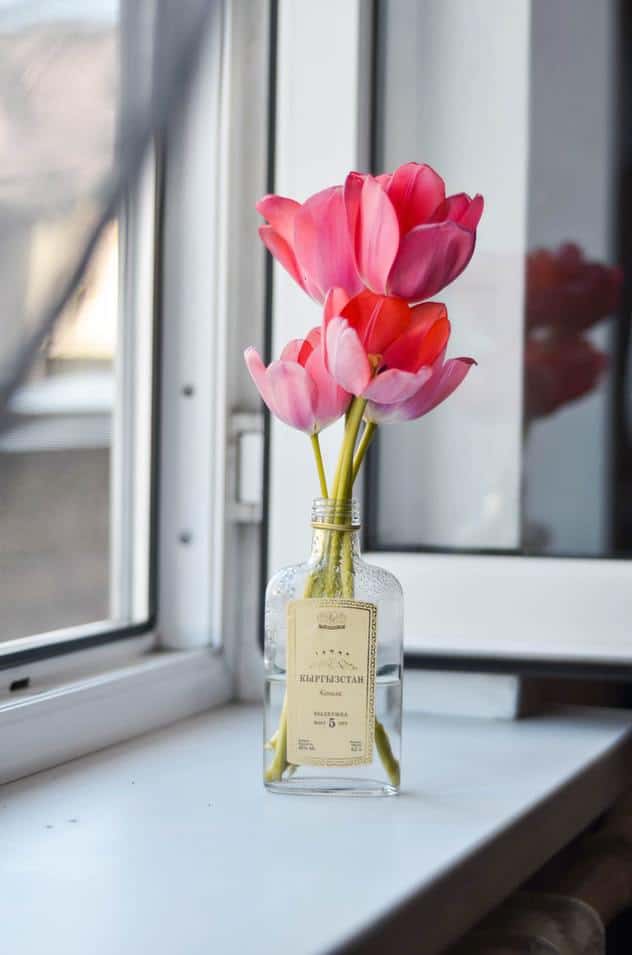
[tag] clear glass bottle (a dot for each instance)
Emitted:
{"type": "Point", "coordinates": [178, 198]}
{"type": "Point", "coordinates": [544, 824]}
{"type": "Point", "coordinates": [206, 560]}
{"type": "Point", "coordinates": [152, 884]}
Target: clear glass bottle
{"type": "Point", "coordinates": [333, 667]}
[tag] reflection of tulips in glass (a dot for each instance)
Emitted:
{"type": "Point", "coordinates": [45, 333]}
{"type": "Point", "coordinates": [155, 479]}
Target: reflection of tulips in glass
{"type": "Point", "coordinates": [566, 296]}
{"type": "Point", "coordinates": [367, 251]}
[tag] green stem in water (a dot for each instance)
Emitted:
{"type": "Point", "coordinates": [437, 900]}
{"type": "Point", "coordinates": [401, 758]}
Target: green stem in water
{"type": "Point", "coordinates": [320, 467]}
{"type": "Point", "coordinates": [279, 764]}
{"type": "Point", "coordinates": [383, 746]}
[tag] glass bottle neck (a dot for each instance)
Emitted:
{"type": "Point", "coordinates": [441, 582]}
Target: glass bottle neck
{"type": "Point", "coordinates": [321, 542]}
{"type": "Point", "coordinates": [333, 520]}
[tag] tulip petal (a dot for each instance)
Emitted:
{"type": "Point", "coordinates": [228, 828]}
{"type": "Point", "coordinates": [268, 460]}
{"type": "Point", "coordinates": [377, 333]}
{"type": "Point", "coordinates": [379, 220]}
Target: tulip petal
{"type": "Point", "coordinates": [322, 244]}
{"type": "Point", "coordinates": [352, 197]}
{"type": "Point", "coordinates": [473, 215]}
{"type": "Point", "coordinates": [331, 400]}
{"type": "Point", "coordinates": [292, 394]}
{"type": "Point", "coordinates": [376, 236]}
{"type": "Point", "coordinates": [298, 350]}
{"type": "Point", "coordinates": [423, 341]}
{"type": "Point", "coordinates": [377, 319]}
{"type": "Point", "coordinates": [257, 369]}
{"type": "Point", "coordinates": [440, 386]}
{"type": "Point", "coordinates": [394, 386]}
{"type": "Point", "coordinates": [429, 258]}
{"type": "Point", "coordinates": [346, 358]}
{"type": "Point", "coordinates": [415, 191]}
{"type": "Point", "coordinates": [282, 252]}
{"type": "Point", "coordinates": [280, 213]}
{"type": "Point", "coordinates": [336, 300]}
{"type": "Point", "coordinates": [460, 208]}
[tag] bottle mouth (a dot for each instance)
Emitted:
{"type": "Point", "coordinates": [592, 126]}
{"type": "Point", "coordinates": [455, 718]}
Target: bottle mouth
{"type": "Point", "coordinates": [335, 515]}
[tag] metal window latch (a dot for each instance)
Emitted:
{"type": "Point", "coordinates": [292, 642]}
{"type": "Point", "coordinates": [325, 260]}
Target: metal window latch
{"type": "Point", "coordinates": [245, 461]}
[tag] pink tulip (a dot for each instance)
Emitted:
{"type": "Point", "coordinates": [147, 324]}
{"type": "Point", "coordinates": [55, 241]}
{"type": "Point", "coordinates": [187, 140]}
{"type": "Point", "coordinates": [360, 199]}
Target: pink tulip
{"type": "Point", "coordinates": [311, 241]}
{"type": "Point", "coordinates": [409, 240]}
{"type": "Point", "coordinates": [297, 388]}
{"type": "Point", "coordinates": [394, 234]}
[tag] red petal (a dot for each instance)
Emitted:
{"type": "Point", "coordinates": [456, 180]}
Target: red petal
{"type": "Point", "coordinates": [423, 341]}
{"type": "Point", "coordinates": [377, 319]}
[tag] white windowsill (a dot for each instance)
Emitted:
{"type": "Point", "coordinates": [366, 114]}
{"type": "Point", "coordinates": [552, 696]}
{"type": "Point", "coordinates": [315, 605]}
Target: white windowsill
{"type": "Point", "coordinates": [169, 844]}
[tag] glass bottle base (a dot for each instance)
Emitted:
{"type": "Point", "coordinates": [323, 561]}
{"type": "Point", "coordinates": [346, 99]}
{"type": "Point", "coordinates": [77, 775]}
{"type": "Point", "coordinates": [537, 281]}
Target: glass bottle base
{"type": "Point", "coordinates": [324, 786]}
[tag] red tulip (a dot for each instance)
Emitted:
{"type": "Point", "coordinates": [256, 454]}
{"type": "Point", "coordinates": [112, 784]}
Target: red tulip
{"type": "Point", "coordinates": [378, 348]}
{"type": "Point", "coordinates": [297, 388]}
{"type": "Point", "coordinates": [394, 234]}
{"type": "Point", "coordinates": [409, 240]}
{"type": "Point", "coordinates": [568, 293]}
{"type": "Point", "coordinates": [559, 371]}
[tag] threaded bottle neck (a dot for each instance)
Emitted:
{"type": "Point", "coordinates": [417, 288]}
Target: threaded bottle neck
{"type": "Point", "coordinates": [332, 514]}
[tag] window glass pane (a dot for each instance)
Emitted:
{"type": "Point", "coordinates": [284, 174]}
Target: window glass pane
{"type": "Point", "coordinates": [527, 103]}
{"type": "Point", "coordinates": [55, 502]}
{"type": "Point", "coordinates": [75, 444]}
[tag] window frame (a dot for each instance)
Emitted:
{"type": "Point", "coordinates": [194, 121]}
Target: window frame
{"type": "Point", "coordinates": [530, 595]}
{"type": "Point", "coordinates": [98, 686]}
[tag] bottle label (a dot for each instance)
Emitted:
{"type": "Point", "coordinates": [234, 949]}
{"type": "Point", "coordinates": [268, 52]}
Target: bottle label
{"type": "Point", "coordinates": [331, 650]}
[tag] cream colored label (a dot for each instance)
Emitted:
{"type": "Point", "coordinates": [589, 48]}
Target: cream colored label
{"type": "Point", "coordinates": [331, 682]}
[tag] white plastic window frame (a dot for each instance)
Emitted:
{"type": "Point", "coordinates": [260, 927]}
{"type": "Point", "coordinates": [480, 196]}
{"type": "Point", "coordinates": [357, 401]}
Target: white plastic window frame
{"type": "Point", "coordinates": [462, 611]}
{"type": "Point", "coordinates": [81, 701]}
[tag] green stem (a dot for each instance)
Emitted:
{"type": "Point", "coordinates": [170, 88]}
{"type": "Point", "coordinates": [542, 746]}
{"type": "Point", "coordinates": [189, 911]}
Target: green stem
{"type": "Point", "coordinates": [342, 490]}
{"type": "Point", "coordinates": [320, 467]}
{"type": "Point", "coordinates": [383, 746]}
{"type": "Point", "coordinates": [363, 446]}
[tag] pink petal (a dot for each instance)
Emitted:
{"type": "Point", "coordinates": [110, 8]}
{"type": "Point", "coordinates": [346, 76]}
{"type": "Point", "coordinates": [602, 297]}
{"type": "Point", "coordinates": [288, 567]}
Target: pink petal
{"type": "Point", "coordinates": [331, 400]}
{"type": "Point", "coordinates": [257, 371]}
{"type": "Point", "coordinates": [429, 258]}
{"type": "Point", "coordinates": [292, 395]}
{"type": "Point", "coordinates": [439, 387]}
{"type": "Point", "coordinates": [394, 386]}
{"type": "Point", "coordinates": [425, 338]}
{"type": "Point", "coordinates": [376, 237]}
{"type": "Point", "coordinates": [298, 349]}
{"type": "Point", "coordinates": [323, 247]}
{"type": "Point", "coordinates": [415, 191]}
{"type": "Point", "coordinates": [460, 208]}
{"type": "Point", "coordinates": [280, 213]}
{"type": "Point", "coordinates": [336, 300]}
{"type": "Point", "coordinates": [282, 252]}
{"type": "Point", "coordinates": [346, 358]}
{"type": "Point", "coordinates": [473, 215]}
{"type": "Point", "coordinates": [352, 196]}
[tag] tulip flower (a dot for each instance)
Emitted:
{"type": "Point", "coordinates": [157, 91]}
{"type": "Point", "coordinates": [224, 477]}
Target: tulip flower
{"type": "Point", "coordinates": [391, 355]}
{"type": "Point", "coordinates": [567, 293]}
{"type": "Point", "coordinates": [393, 234]}
{"type": "Point", "coordinates": [409, 240]}
{"type": "Point", "coordinates": [311, 241]}
{"type": "Point", "coordinates": [297, 388]}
